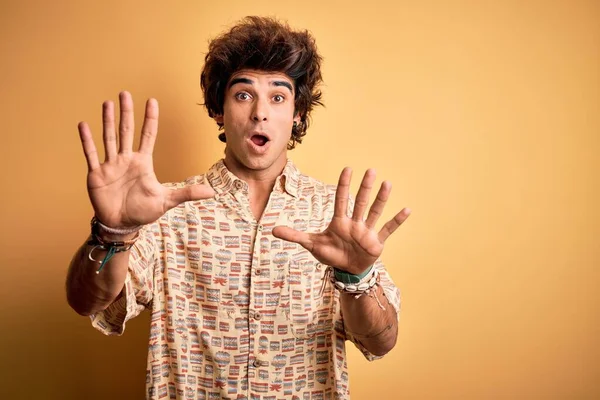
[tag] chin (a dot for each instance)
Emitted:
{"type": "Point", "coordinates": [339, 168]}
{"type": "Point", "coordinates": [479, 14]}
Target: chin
{"type": "Point", "coordinates": [261, 163]}
{"type": "Point", "coordinates": [258, 163]}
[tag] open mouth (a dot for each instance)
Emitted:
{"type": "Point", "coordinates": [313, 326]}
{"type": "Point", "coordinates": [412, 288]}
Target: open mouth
{"type": "Point", "coordinates": [259, 140]}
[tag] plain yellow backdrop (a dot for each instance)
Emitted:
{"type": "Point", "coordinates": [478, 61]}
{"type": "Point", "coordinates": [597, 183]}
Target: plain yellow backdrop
{"type": "Point", "coordinates": [484, 115]}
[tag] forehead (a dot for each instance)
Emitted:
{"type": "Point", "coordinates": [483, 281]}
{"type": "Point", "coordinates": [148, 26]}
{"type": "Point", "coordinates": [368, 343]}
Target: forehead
{"type": "Point", "coordinates": [261, 77]}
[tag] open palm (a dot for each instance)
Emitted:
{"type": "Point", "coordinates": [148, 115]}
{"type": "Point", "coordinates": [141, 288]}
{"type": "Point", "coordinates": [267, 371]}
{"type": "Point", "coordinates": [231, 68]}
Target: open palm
{"type": "Point", "coordinates": [350, 244]}
{"type": "Point", "coordinates": [124, 190]}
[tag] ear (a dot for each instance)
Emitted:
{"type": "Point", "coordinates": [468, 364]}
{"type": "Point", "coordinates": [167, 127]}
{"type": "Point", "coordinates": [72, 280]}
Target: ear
{"type": "Point", "coordinates": [297, 118]}
{"type": "Point", "coordinates": [218, 119]}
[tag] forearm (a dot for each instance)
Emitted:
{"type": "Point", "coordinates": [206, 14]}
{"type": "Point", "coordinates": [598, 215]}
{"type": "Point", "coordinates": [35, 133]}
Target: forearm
{"type": "Point", "coordinates": [364, 318]}
{"type": "Point", "coordinates": [89, 292]}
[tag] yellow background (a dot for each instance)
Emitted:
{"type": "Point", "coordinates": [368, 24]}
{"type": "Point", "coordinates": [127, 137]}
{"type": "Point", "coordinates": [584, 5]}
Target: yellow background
{"type": "Point", "coordinates": [484, 115]}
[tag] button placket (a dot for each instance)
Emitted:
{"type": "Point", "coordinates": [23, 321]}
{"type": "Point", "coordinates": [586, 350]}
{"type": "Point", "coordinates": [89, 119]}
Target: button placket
{"type": "Point", "coordinates": [255, 316]}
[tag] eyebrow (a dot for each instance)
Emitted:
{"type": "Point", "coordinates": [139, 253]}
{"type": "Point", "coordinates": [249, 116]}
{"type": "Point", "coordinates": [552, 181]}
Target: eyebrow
{"type": "Point", "coordinates": [251, 82]}
{"type": "Point", "coordinates": [284, 84]}
{"type": "Point", "coordinates": [240, 80]}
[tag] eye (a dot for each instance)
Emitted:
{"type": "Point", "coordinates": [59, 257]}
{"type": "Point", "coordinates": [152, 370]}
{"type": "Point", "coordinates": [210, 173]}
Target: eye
{"type": "Point", "coordinates": [278, 98]}
{"type": "Point", "coordinates": [242, 96]}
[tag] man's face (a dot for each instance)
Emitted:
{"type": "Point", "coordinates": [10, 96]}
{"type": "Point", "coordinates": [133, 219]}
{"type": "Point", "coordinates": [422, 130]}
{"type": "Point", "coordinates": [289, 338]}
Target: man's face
{"type": "Point", "coordinates": [258, 115]}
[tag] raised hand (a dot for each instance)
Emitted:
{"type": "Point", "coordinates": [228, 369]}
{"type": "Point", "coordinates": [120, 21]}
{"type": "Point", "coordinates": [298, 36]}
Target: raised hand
{"type": "Point", "coordinates": [123, 189]}
{"type": "Point", "coordinates": [350, 244]}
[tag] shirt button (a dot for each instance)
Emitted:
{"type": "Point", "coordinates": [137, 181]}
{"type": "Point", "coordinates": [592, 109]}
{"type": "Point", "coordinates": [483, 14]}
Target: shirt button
{"type": "Point", "coordinates": [319, 266]}
{"type": "Point", "coordinates": [238, 184]}
{"type": "Point", "coordinates": [257, 271]}
{"type": "Point", "coordinates": [260, 228]}
{"type": "Point", "coordinates": [256, 363]}
{"type": "Point", "coordinates": [257, 315]}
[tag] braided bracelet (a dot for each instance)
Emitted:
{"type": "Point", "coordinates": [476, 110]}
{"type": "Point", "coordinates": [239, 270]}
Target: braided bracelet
{"type": "Point", "coordinates": [116, 231]}
{"type": "Point", "coordinates": [111, 247]}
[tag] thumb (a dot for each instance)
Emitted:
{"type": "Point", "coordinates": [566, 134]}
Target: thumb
{"type": "Point", "coordinates": [292, 235]}
{"type": "Point", "coordinates": [188, 193]}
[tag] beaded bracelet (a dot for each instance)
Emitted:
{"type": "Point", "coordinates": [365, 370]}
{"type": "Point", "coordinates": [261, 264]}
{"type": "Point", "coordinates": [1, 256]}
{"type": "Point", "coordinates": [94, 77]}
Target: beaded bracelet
{"type": "Point", "coordinates": [366, 285]}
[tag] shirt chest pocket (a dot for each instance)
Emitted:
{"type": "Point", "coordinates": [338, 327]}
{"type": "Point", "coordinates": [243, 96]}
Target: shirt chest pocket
{"type": "Point", "coordinates": [311, 303]}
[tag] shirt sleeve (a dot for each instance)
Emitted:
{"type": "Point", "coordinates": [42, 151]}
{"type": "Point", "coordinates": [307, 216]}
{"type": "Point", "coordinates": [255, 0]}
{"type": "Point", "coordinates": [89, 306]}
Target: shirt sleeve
{"type": "Point", "coordinates": [138, 290]}
{"type": "Point", "coordinates": [392, 298]}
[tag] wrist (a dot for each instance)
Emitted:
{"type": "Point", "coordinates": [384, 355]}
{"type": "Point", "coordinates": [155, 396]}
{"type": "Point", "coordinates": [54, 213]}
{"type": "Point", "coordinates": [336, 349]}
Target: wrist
{"type": "Point", "coordinates": [109, 237]}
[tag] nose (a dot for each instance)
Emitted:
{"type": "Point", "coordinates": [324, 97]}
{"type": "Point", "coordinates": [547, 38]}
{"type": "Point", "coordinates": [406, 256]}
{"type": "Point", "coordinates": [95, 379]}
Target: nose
{"type": "Point", "coordinates": [260, 111]}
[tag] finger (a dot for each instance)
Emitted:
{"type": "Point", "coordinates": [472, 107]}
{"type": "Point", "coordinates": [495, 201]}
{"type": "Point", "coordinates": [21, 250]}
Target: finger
{"type": "Point", "coordinates": [126, 123]}
{"type": "Point", "coordinates": [393, 224]}
{"type": "Point", "coordinates": [292, 235]}
{"type": "Point", "coordinates": [89, 148]}
{"type": "Point", "coordinates": [362, 198]}
{"type": "Point", "coordinates": [379, 204]}
{"type": "Point", "coordinates": [189, 193]}
{"type": "Point", "coordinates": [108, 130]}
{"type": "Point", "coordinates": [150, 127]}
{"type": "Point", "coordinates": [341, 193]}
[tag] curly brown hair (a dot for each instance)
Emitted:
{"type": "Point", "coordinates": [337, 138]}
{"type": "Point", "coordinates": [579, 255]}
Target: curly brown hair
{"type": "Point", "coordinates": [265, 44]}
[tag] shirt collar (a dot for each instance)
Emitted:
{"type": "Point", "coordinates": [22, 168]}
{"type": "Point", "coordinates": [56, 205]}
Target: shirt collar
{"type": "Point", "coordinates": [223, 181]}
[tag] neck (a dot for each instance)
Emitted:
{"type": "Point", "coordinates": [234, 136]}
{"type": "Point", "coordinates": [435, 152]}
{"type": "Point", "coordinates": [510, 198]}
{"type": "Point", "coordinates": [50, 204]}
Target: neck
{"type": "Point", "coordinates": [260, 181]}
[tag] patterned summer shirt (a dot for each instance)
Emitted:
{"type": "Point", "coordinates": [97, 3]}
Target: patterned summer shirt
{"type": "Point", "coordinates": [236, 312]}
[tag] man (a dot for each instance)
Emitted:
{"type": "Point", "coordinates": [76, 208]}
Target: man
{"type": "Point", "coordinates": [255, 274]}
